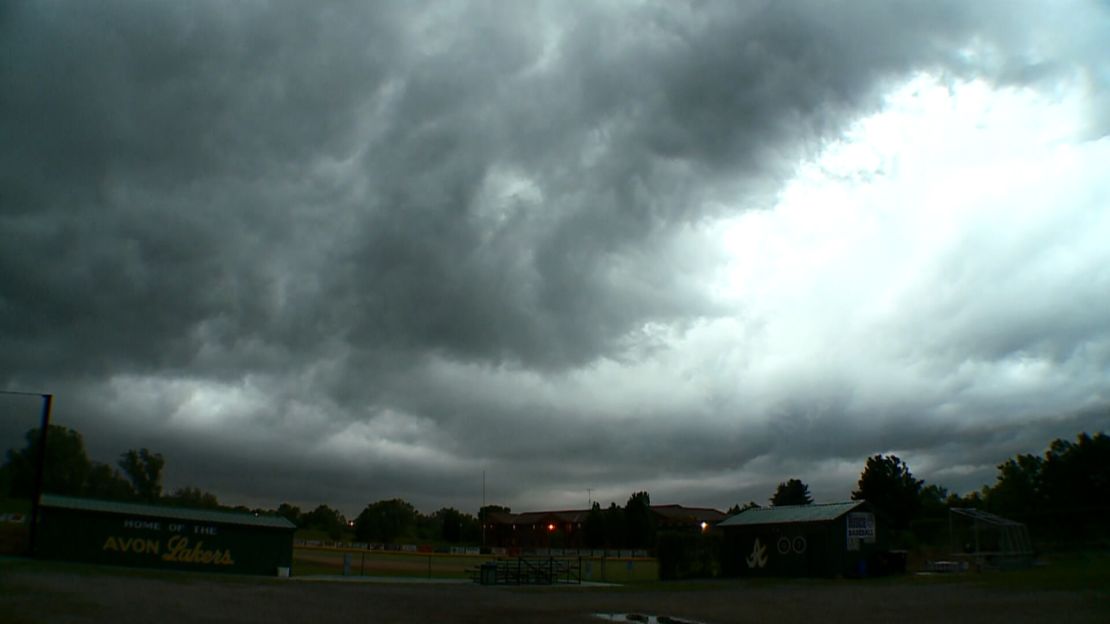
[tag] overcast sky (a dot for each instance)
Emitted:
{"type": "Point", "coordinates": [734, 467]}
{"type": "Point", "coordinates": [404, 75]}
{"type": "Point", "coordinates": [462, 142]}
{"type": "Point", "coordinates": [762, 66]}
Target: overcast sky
{"type": "Point", "coordinates": [341, 252]}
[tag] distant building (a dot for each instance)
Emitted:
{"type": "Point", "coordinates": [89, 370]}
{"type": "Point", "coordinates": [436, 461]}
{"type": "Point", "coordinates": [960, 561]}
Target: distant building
{"type": "Point", "coordinates": [833, 539]}
{"type": "Point", "coordinates": [565, 529]}
{"type": "Point", "coordinates": [686, 518]}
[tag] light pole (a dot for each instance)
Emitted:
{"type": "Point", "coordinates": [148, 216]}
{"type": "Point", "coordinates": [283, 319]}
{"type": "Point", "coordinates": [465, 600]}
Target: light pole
{"type": "Point", "coordinates": [40, 463]}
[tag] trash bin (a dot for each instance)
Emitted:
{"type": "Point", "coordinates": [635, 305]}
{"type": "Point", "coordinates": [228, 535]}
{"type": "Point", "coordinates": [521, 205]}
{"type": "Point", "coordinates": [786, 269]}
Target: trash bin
{"type": "Point", "coordinates": [488, 574]}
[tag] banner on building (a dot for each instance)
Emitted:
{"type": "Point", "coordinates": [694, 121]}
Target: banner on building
{"type": "Point", "coordinates": [861, 525]}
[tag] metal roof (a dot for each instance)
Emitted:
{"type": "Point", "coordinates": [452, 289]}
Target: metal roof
{"type": "Point", "coordinates": [791, 513]}
{"type": "Point", "coordinates": [175, 513]}
{"type": "Point", "coordinates": [545, 517]}
{"type": "Point", "coordinates": [680, 514]}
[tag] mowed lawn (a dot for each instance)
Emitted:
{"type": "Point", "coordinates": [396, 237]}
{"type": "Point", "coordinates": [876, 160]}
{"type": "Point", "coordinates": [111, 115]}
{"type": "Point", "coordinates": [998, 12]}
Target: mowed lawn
{"type": "Point", "coordinates": [309, 561]}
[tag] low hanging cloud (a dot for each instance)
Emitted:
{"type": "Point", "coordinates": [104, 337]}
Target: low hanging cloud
{"type": "Point", "coordinates": [348, 252]}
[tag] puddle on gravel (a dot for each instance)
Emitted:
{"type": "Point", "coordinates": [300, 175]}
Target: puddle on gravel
{"type": "Point", "coordinates": [641, 618]}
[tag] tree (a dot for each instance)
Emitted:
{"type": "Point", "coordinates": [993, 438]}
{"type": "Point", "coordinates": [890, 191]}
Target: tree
{"type": "Point", "coordinates": [615, 531]}
{"type": "Point", "coordinates": [107, 483]}
{"type": "Point", "coordinates": [887, 483]}
{"type": "Point", "coordinates": [639, 521]}
{"type": "Point", "coordinates": [933, 501]}
{"type": "Point", "coordinates": [450, 521]}
{"type": "Point", "coordinates": [793, 492]}
{"type": "Point", "coordinates": [144, 469]}
{"type": "Point", "coordinates": [325, 519]}
{"type": "Point", "coordinates": [189, 496]}
{"type": "Point", "coordinates": [471, 529]}
{"type": "Point", "coordinates": [66, 468]}
{"type": "Point", "coordinates": [291, 513]}
{"type": "Point", "coordinates": [1064, 492]}
{"type": "Point", "coordinates": [931, 525]}
{"type": "Point", "coordinates": [1018, 488]}
{"type": "Point", "coordinates": [1075, 476]}
{"type": "Point", "coordinates": [972, 500]}
{"type": "Point", "coordinates": [738, 508]}
{"type": "Point", "coordinates": [385, 521]}
{"type": "Point", "coordinates": [485, 511]}
{"type": "Point", "coordinates": [593, 530]}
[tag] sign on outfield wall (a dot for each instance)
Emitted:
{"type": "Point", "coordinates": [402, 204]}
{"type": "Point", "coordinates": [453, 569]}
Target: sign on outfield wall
{"type": "Point", "coordinates": [115, 533]}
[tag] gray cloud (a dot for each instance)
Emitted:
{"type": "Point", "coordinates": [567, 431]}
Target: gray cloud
{"type": "Point", "coordinates": [396, 245]}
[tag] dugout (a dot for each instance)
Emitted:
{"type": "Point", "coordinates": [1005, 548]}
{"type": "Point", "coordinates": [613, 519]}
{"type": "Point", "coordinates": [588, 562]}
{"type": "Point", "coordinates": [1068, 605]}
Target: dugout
{"type": "Point", "coordinates": [987, 540]}
{"type": "Point", "coordinates": [129, 534]}
{"type": "Point", "coordinates": [833, 539]}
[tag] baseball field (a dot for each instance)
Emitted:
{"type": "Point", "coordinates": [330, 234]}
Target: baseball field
{"type": "Point", "coordinates": [331, 561]}
{"type": "Point", "coordinates": [1069, 589]}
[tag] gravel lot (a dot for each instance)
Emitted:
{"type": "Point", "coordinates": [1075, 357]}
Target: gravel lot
{"type": "Point", "coordinates": [36, 593]}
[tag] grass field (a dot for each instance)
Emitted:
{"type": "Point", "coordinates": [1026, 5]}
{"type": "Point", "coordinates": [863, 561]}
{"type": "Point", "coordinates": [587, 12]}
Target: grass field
{"type": "Point", "coordinates": [1076, 571]}
{"type": "Point", "coordinates": [317, 560]}
{"type": "Point", "coordinates": [1072, 588]}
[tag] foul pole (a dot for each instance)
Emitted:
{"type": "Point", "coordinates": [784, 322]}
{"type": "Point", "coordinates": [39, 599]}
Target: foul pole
{"type": "Point", "coordinates": [40, 463]}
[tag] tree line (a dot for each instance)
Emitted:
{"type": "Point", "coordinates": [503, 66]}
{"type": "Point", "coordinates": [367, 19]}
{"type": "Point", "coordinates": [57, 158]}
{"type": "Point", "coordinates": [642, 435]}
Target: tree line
{"type": "Point", "coordinates": [1062, 495]}
{"type": "Point", "coordinates": [1065, 491]}
{"type": "Point", "coordinates": [137, 477]}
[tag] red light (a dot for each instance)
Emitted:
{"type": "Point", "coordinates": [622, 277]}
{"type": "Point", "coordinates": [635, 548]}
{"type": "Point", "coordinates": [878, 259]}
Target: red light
{"type": "Point", "coordinates": [551, 527]}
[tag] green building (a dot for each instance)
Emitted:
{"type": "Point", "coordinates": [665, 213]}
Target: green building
{"type": "Point", "coordinates": [833, 539]}
{"type": "Point", "coordinates": [107, 532]}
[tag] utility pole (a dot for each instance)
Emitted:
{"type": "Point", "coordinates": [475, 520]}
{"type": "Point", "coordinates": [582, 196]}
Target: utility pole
{"type": "Point", "coordinates": [40, 470]}
{"type": "Point", "coordinates": [589, 498]}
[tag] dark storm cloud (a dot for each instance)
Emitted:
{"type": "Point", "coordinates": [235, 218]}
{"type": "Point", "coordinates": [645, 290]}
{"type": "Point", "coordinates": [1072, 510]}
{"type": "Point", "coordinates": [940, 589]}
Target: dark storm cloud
{"type": "Point", "coordinates": [315, 209]}
{"type": "Point", "coordinates": [173, 159]}
{"type": "Point", "coordinates": [146, 154]}
{"type": "Point", "coordinates": [620, 133]}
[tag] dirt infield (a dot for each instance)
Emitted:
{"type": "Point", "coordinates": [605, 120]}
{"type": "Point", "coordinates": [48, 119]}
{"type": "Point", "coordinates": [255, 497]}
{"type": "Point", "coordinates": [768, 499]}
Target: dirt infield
{"type": "Point", "coordinates": [36, 592]}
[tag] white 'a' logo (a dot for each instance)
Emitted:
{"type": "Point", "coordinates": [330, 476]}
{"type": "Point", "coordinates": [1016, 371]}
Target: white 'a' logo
{"type": "Point", "coordinates": [758, 558]}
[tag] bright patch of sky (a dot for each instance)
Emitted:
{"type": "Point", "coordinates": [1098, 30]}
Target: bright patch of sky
{"type": "Point", "coordinates": [939, 159]}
